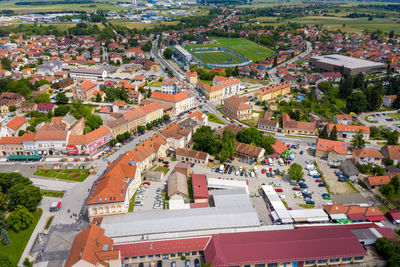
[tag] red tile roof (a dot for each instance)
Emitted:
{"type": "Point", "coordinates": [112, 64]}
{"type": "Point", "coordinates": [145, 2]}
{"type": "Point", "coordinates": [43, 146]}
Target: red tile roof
{"type": "Point", "coordinates": [349, 128]}
{"type": "Point", "coordinates": [199, 184]}
{"type": "Point", "coordinates": [369, 153]}
{"type": "Point", "coordinates": [92, 246]}
{"type": "Point", "coordinates": [168, 97]}
{"type": "Point", "coordinates": [282, 246]}
{"type": "Point", "coordinates": [162, 246]}
{"type": "Point", "coordinates": [279, 147]}
{"type": "Point", "coordinates": [16, 122]}
{"type": "Point", "coordinates": [378, 180]}
{"type": "Point", "coordinates": [331, 145]}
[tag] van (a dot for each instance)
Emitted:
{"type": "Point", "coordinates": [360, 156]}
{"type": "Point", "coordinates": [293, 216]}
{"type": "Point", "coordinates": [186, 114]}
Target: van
{"type": "Point", "coordinates": [252, 174]}
{"type": "Point", "coordinates": [222, 167]}
{"type": "Point", "coordinates": [310, 167]}
{"type": "Point", "coordinates": [280, 161]}
{"type": "Point", "coordinates": [312, 173]}
{"type": "Point", "coordinates": [270, 161]}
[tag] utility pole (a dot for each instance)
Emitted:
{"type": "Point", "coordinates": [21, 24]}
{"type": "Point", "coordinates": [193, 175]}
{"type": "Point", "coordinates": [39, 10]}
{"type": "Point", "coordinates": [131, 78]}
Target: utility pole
{"type": "Point", "coordinates": [258, 46]}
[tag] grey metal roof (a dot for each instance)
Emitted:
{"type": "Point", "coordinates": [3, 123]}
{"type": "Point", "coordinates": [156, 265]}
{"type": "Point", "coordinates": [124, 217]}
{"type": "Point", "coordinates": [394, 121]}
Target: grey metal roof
{"type": "Point", "coordinates": [169, 221]}
{"type": "Point", "coordinates": [349, 168]}
{"type": "Point", "coordinates": [347, 62]}
{"type": "Point", "coordinates": [231, 198]}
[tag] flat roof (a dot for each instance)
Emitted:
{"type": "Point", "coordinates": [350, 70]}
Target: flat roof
{"type": "Point", "coordinates": [231, 197]}
{"type": "Point", "coordinates": [347, 62]}
{"type": "Point", "coordinates": [282, 246]}
{"type": "Point", "coordinates": [310, 215]}
{"type": "Point", "coordinates": [277, 204]}
{"type": "Point", "coordinates": [168, 221]}
{"type": "Point", "coordinates": [226, 184]}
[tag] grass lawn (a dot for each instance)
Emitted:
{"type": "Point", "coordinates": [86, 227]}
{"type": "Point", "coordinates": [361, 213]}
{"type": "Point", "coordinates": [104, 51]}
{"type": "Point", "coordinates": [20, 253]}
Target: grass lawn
{"type": "Point", "coordinates": [251, 122]}
{"type": "Point", "coordinates": [206, 82]}
{"type": "Point", "coordinates": [50, 193]}
{"type": "Point", "coordinates": [162, 169]}
{"type": "Point", "coordinates": [246, 48]}
{"type": "Point", "coordinates": [77, 175]}
{"type": "Point", "coordinates": [307, 206]}
{"type": "Point", "coordinates": [132, 203]}
{"type": "Point", "coordinates": [394, 115]}
{"type": "Point", "coordinates": [48, 223]}
{"type": "Point", "coordinates": [156, 84]}
{"type": "Point", "coordinates": [19, 240]}
{"type": "Point", "coordinates": [213, 118]}
{"type": "Point", "coordinates": [216, 57]}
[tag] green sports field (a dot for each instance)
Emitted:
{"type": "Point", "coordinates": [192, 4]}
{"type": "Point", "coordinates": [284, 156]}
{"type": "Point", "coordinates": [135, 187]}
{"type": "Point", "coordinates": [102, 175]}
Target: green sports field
{"type": "Point", "coordinates": [216, 58]}
{"type": "Point", "coordinates": [246, 48]}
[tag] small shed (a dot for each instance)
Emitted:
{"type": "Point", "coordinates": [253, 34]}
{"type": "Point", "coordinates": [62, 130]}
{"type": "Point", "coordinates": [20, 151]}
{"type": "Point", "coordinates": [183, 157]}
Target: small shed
{"type": "Point", "coordinates": [394, 216]}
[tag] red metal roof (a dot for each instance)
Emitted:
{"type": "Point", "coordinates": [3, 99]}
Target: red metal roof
{"type": "Point", "coordinates": [198, 205]}
{"type": "Point", "coordinates": [394, 214]}
{"type": "Point", "coordinates": [377, 218]}
{"type": "Point", "coordinates": [162, 246]}
{"type": "Point", "coordinates": [387, 232]}
{"type": "Point", "coordinates": [199, 185]}
{"type": "Point", "coordinates": [357, 217]}
{"type": "Point", "coordinates": [282, 246]}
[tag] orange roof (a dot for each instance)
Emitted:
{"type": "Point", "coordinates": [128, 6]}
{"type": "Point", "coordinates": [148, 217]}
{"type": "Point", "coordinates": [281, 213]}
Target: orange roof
{"type": "Point", "coordinates": [274, 88]}
{"type": "Point", "coordinates": [150, 107]}
{"type": "Point", "coordinates": [134, 114]}
{"type": "Point", "coordinates": [393, 152]}
{"type": "Point", "coordinates": [335, 209]}
{"type": "Point", "coordinates": [331, 145]}
{"type": "Point", "coordinates": [191, 74]}
{"type": "Point", "coordinates": [11, 140]}
{"type": "Point", "coordinates": [373, 211]}
{"type": "Point", "coordinates": [368, 153]}
{"type": "Point", "coordinates": [344, 116]}
{"type": "Point", "coordinates": [279, 147]}
{"type": "Point", "coordinates": [378, 180]}
{"type": "Point", "coordinates": [16, 122]}
{"type": "Point", "coordinates": [89, 137]}
{"type": "Point", "coordinates": [349, 128]}
{"type": "Point", "coordinates": [170, 98]}
{"type": "Point", "coordinates": [92, 246]}
{"type": "Point", "coordinates": [86, 84]}
{"type": "Point", "coordinates": [51, 135]}
{"type": "Point", "coordinates": [355, 210]}
{"type": "Point", "coordinates": [198, 115]}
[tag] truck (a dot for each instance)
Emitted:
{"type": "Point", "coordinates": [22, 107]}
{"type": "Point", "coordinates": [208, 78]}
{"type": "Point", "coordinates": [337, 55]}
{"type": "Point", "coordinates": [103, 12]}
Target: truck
{"type": "Point", "coordinates": [55, 206]}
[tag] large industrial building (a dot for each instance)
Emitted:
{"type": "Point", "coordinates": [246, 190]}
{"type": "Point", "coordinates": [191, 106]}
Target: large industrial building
{"type": "Point", "coordinates": [351, 65]}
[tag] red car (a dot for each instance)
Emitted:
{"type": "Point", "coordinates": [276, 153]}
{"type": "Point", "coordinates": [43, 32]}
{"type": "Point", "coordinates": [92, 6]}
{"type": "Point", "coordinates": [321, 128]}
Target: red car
{"type": "Point", "coordinates": [146, 183]}
{"type": "Point", "coordinates": [278, 190]}
{"type": "Point", "coordinates": [263, 171]}
{"type": "Point", "coordinates": [166, 166]}
{"type": "Point", "coordinates": [319, 180]}
{"type": "Point", "coordinates": [296, 188]}
{"type": "Point", "coordinates": [270, 169]}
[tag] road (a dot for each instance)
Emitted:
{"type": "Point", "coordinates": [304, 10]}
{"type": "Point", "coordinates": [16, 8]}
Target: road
{"type": "Point", "coordinates": [155, 54]}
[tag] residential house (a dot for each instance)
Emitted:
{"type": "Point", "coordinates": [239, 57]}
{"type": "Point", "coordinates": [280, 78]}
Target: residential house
{"type": "Point", "coordinates": [193, 156]}
{"type": "Point", "coordinates": [173, 86]}
{"type": "Point", "coordinates": [298, 127]}
{"type": "Point", "coordinates": [273, 91]}
{"type": "Point", "coordinates": [200, 117]}
{"type": "Point", "coordinates": [279, 147]}
{"type": "Point", "coordinates": [135, 96]}
{"type": "Point", "coordinates": [200, 189]}
{"type": "Point", "coordinates": [388, 100]}
{"type": "Point", "coordinates": [249, 152]}
{"type": "Point", "coordinates": [348, 131]}
{"type": "Point", "coordinates": [331, 76]}
{"type": "Point", "coordinates": [331, 150]}
{"type": "Point", "coordinates": [180, 102]}
{"type": "Point", "coordinates": [221, 88]}
{"type": "Point", "coordinates": [15, 125]}
{"type": "Point", "coordinates": [265, 122]}
{"type": "Point", "coordinates": [177, 136]}
{"type": "Point", "coordinates": [152, 111]}
{"type": "Point", "coordinates": [343, 119]}
{"type": "Point", "coordinates": [135, 52]}
{"type": "Point", "coordinates": [45, 107]}
{"type": "Point", "coordinates": [237, 107]}
{"type": "Point", "coordinates": [391, 152]}
{"type": "Point", "coordinates": [92, 248]}
{"type": "Point", "coordinates": [367, 156]}
{"type": "Point", "coordinates": [51, 142]}
{"type": "Point", "coordinates": [11, 145]}
{"type": "Point", "coordinates": [27, 107]}
{"type": "Point", "coordinates": [191, 77]}
{"type": "Point", "coordinates": [336, 212]}
{"type": "Point", "coordinates": [183, 167]}
{"type": "Point", "coordinates": [8, 99]}
{"type": "Point", "coordinates": [85, 90]}
{"type": "Point", "coordinates": [378, 181]}
{"type": "Point", "coordinates": [211, 92]}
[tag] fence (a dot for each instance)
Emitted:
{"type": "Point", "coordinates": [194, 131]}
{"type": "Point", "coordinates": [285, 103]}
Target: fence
{"type": "Point", "coordinates": [247, 61]}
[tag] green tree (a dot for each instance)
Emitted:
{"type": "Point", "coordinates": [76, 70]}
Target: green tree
{"type": "Point", "coordinates": [228, 145]}
{"type": "Point", "coordinates": [396, 184]}
{"type": "Point", "coordinates": [324, 133]}
{"type": "Point", "coordinates": [61, 99]}
{"type": "Point", "coordinates": [275, 63]}
{"type": "Point", "coordinates": [325, 86]}
{"type": "Point", "coordinates": [98, 98]}
{"type": "Point", "coordinates": [42, 98]}
{"type": "Point", "coordinates": [388, 191]}
{"type": "Point", "coordinates": [5, 238]}
{"type": "Point", "coordinates": [141, 129]}
{"type": "Point", "coordinates": [5, 261]}
{"type": "Point", "coordinates": [236, 71]}
{"type": "Point", "coordinates": [379, 170]}
{"type": "Point", "coordinates": [20, 219]}
{"type": "Point", "coordinates": [93, 121]}
{"type": "Point", "coordinates": [204, 139]}
{"type": "Point", "coordinates": [359, 81]}
{"type": "Point", "coordinates": [61, 111]}
{"type": "Point", "coordinates": [166, 117]}
{"type": "Point", "coordinates": [127, 135]}
{"type": "Point", "coordinates": [346, 87]}
{"type": "Point", "coordinates": [391, 34]}
{"type": "Point", "coordinates": [167, 53]}
{"type": "Point", "coordinates": [392, 138]}
{"type": "Point", "coordinates": [50, 114]}
{"type": "Point", "coordinates": [374, 98]}
{"type": "Point", "coordinates": [147, 47]}
{"type": "Point", "coordinates": [28, 196]}
{"type": "Point", "coordinates": [3, 201]}
{"type": "Point", "coordinates": [333, 134]}
{"type": "Point", "coordinates": [373, 131]}
{"type": "Point", "coordinates": [149, 125]}
{"type": "Point", "coordinates": [295, 172]}
{"type": "Point", "coordinates": [356, 102]}
{"type": "Point", "coordinates": [21, 132]}
{"type": "Point", "coordinates": [6, 63]}
{"type": "Point", "coordinates": [3, 221]}
{"type": "Point", "coordinates": [358, 140]}
{"type": "Point", "coordinates": [113, 142]}
{"type": "Point", "coordinates": [12, 108]}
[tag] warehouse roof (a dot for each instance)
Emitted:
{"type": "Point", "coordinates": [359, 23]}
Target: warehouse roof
{"type": "Point", "coordinates": [282, 246]}
{"type": "Point", "coordinates": [347, 62]}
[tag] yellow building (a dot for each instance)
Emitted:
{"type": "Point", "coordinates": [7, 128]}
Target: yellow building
{"type": "Point", "coordinates": [273, 91]}
{"type": "Point", "coordinates": [191, 77]}
{"type": "Point", "coordinates": [211, 92]}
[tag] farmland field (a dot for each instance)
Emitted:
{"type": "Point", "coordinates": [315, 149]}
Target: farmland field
{"type": "Point", "coordinates": [246, 48]}
{"type": "Point", "coordinates": [216, 57]}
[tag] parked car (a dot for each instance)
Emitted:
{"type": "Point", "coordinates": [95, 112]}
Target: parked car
{"type": "Point", "coordinates": [319, 180]}
{"type": "Point", "coordinates": [296, 188]}
{"type": "Point", "coordinates": [321, 185]}
{"type": "Point", "coordinates": [278, 190]}
{"type": "Point", "coordinates": [311, 202]}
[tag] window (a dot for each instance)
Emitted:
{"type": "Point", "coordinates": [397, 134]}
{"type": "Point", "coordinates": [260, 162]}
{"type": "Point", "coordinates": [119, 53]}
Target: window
{"type": "Point", "coordinates": [165, 257]}
{"type": "Point", "coordinates": [260, 265]}
{"type": "Point", "coordinates": [272, 264]}
{"type": "Point", "coordinates": [142, 257]}
{"type": "Point", "coordinates": [134, 258]}
{"type": "Point", "coordinates": [248, 265]}
{"type": "Point", "coordinates": [179, 254]}
{"type": "Point", "coordinates": [334, 260]}
{"type": "Point", "coordinates": [359, 258]}
{"type": "Point", "coordinates": [346, 259]}
{"type": "Point", "coordinates": [173, 255]}
{"type": "Point", "coordinates": [158, 256]}
{"type": "Point", "coordinates": [150, 257]}
{"type": "Point", "coordinates": [126, 259]}
{"type": "Point", "coordinates": [187, 253]}
{"type": "Point", "coordinates": [322, 261]}
{"type": "Point", "coordinates": [194, 253]}
{"type": "Point", "coordinates": [310, 262]}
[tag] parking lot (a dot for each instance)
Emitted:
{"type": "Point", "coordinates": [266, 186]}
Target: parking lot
{"type": "Point", "coordinates": [147, 195]}
{"type": "Point", "coordinates": [390, 120]}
